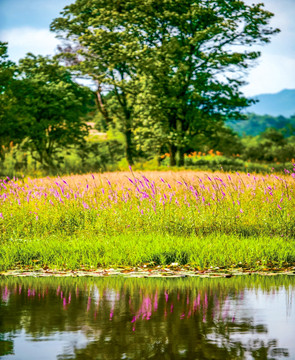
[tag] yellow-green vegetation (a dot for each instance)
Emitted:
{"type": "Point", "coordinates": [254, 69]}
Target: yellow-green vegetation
{"type": "Point", "coordinates": [202, 219]}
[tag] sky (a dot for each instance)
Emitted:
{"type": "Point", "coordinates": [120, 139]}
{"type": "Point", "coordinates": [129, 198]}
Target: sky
{"type": "Point", "coordinates": [24, 24]}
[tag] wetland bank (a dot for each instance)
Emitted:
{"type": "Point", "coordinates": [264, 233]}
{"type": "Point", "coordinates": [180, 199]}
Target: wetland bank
{"type": "Point", "coordinates": [129, 265]}
{"type": "Point", "coordinates": [203, 220]}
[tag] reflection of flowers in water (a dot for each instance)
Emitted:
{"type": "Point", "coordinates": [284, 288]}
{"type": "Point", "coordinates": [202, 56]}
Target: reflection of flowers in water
{"type": "Point", "coordinates": [208, 311]}
{"type": "Point", "coordinates": [142, 307]}
{"type": "Point", "coordinates": [5, 294]}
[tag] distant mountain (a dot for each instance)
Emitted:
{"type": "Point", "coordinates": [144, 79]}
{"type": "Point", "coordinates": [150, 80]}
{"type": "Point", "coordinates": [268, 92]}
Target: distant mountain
{"type": "Point", "coordinates": [281, 103]}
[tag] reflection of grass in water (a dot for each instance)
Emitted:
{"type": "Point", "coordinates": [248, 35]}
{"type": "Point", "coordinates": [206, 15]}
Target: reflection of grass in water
{"type": "Point", "coordinates": [193, 311]}
{"type": "Point", "coordinates": [211, 298]}
{"type": "Point", "coordinates": [264, 283]}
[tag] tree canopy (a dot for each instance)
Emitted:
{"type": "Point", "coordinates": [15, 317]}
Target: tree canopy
{"type": "Point", "coordinates": [10, 129]}
{"type": "Point", "coordinates": [173, 66]}
{"type": "Point", "coordinates": [54, 105]}
{"type": "Point", "coordinates": [42, 107]}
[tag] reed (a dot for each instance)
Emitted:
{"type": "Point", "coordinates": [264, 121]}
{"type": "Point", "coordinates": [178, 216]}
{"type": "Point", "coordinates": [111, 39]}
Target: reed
{"type": "Point", "coordinates": [127, 218]}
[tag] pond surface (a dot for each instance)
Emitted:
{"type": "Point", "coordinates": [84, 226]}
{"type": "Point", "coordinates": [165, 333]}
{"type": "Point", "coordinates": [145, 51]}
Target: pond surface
{"type": "Point", "coordinates": [244, 317]}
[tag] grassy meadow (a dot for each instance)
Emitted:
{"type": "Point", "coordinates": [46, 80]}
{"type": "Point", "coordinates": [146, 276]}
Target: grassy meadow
{"type": "Point", "coordinates": [132, 218]}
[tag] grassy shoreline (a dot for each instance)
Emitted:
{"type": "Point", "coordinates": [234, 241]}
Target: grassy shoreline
{"type": "Point", "coordinates": [201, 252]}
{"type": "Point", "coordinates": [128, 219]}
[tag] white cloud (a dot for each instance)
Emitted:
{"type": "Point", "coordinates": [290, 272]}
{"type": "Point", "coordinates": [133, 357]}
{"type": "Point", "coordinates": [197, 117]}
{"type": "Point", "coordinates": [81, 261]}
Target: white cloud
{"type": "Point", "coordinates": [28, 39]}
{"type": "Point", "coordinates": [276, 67]}
{"type": "Point", "coordinates": [274, 73]}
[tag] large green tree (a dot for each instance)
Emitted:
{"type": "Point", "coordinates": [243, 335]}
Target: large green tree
{"type": "Point", "coordinates": [47, 107]}
{"type": "Point", "coordinates": [174, 65]}
{"type": "Point", "coordinates": [101, 48]}
{"type": "Point", "coordinates": [54, 108]}
{"type": "Point", "coordinates": [41, 107]}
{"type": "Point", "coordinates": [197, 54]}
{"type": "Point", "coordinates": [10, 127]}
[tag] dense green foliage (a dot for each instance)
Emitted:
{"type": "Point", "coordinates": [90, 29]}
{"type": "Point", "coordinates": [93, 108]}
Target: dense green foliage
{"type": "Point", "coordinates": [42, 108]}
{"type": "Point", "coordinates": [54, 106]}
{"type": "Point", "coordinates": [166, 65]}
{"type": "Point", "coordinates": [269, 146]}
{"type": "Point", "coordinates": [98, 154]}
{"type": "Point", "coordinates": [10, 126]}
{"type": "Point", "coordinates": [166, 79]}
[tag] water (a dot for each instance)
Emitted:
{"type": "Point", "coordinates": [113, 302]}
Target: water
{"type": "Point", "coordinates": [115, 318]}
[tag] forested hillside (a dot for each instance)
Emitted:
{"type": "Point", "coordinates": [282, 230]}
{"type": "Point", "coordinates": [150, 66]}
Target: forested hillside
{"type": "Point", "coordinates": [256, 124]}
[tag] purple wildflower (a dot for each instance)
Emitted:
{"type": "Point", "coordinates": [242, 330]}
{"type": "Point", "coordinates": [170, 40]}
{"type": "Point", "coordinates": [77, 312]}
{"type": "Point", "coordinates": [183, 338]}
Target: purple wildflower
{"type": "Point", "coordinates": [86, 206]}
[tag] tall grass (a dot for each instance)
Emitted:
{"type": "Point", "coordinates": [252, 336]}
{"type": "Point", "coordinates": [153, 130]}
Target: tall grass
{"type": "Point", "coordinates": [92, 251]}
{"type": "Point", "coordinates": [128, 218]}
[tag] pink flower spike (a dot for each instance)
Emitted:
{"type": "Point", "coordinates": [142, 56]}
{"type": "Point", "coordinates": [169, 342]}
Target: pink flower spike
{"type": "Point", "coordinates": [85, 205]}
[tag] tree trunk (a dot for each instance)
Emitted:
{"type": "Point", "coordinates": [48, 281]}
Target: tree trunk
{"type": "Point", "coordinates": [180, 157]}
{"type": "Point", "coordinates": [128, 147]}
{"type": "Point", "coordinates": [159, 160]}
{"type": "Point", "coordinates": [172, 152]}
{"type": "Point", "coordinates": [101, 106]}
{"type": "Point", "coordinates": [159, 156]}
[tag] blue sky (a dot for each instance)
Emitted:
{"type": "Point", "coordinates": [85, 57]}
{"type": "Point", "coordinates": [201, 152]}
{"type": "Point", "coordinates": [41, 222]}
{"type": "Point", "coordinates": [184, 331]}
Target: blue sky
{"type": "Point", "coordinates": [25, 25]}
